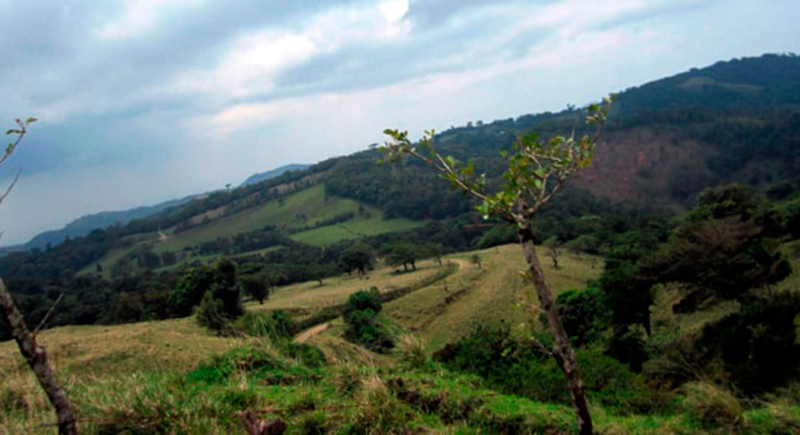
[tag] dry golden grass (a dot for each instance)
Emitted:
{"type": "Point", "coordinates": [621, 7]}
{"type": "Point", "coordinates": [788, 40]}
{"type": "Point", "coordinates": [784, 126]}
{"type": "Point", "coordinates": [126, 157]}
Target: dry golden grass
{"type": "Point", "coordinates": [487, 294]}
{"type": "Point", "coordinates": [311, 296]}
{"type": "Point", "coordinates": [97, 351]}
{"type": "Point", "coordinates": [101, 365]}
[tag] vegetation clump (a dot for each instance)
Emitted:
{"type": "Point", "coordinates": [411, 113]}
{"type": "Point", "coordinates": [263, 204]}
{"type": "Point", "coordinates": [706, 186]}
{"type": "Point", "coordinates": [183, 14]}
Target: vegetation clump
{"type": "Point", "coordinates": [363, 324]}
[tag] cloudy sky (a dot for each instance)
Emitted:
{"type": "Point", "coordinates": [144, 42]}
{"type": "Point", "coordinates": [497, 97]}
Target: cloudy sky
{"type": "Point", "coordinates": [147, 100]}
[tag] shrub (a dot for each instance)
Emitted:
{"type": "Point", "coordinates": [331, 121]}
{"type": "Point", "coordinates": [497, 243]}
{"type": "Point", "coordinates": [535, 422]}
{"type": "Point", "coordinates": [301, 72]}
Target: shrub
{"type": "Point", "coordinates": [363, 300]}
{"type": "Point", "coordinates": [759, 344]}
{"type": "Point", "coordinates": [210, 313]}
{"type": "Point", "coordinates": [243, 359]}
{"type": "Point", "coordinates": [521, 368]}
{"type": "Point", "coordinates": [277, 325]}
{"type": "Point", "coordinates": [307, 354]}
{"type": "Point", "coordinates": [413, 351]}
{"type": "Point", "coordinates": [363, 325]}
{"type": "Point", "coordinates": [364, 328]}
{"type": "Point", "coordinates": [583, 314]}
{"type": "Point", "coordinates": [711, 406]}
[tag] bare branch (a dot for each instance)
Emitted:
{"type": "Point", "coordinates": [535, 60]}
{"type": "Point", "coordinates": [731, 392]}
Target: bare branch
{"type": "Point", "coordinates": [49, 313]}
{"type": "Point", "coordinates": [10, 187]}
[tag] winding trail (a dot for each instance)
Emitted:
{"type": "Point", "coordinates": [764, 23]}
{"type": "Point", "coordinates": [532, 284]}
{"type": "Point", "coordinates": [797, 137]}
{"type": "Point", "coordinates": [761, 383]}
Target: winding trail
{"type": "Point", "coordinates": [311, 332]}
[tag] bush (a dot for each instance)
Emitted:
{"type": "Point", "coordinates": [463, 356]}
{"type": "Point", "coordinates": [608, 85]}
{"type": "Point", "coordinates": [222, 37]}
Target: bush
{"type": "Point", "coordinates": [363, 325]}
{"type": "Point", "coordinates": [210, 313]}
{"type": "Point", "coordinates": [413, 351]}
{"type": "Point", "coordinates": [759, 344]}
{"type": "Point", "coordinates": [364, 328]}
{"type": "Point", "coordinates": [364, 300]}
{"type": "Point", "coordinates": [711, 406]}
{"type": "Point", "coordinates": [480, 352]}
{"type": "Point", "coordinates": [307, 354]}
{"type": "Point", "coordinates": [583, 313]}
{"type": "Point", "coordinates": [521, 368]}
{"type": "Point", "coordinates": [243, 359]}
{"type": "Point", "coordinates": [277, 325]}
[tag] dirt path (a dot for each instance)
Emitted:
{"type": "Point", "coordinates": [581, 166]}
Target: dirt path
{"type": "Point", "coordinates": [310, 333]}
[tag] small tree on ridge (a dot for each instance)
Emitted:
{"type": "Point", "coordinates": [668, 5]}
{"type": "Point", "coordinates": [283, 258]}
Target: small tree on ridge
{"type": "Point", "coordinates": [536, 171]}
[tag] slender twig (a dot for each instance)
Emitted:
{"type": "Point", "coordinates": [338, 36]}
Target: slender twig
{"type": "Point", "coordinates": [49, 313]}
{"type": "Point", "coordinates": [10, 186]}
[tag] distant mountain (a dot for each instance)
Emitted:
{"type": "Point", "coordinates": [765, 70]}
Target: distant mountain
{"type": "Point", "coordinates": [277, 172]}
{"type": "Point", "coordinates": [86, 224]}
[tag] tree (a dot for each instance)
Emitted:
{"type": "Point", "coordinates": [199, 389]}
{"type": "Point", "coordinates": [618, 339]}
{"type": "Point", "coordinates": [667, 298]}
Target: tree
{"type": "Point", "coordinates": [221, 302]}
{"type": "Point", "coordinates": [319, 271]}
{"type": "Point", "coordinates": [434, 250]}
{"type": "Point", "coordinates": [553, 250]}
{"type": "Point", "coordinates": [536, 171]}
{"type": "Point", "coordinates": [255, 286]}
{"type": "Point", "coordinates": [402, 252]}
{"type": "Point", "coordinates": [226, 288]}
{"type": "Point", "coordinates": [476, 260]}
{"type": "Point", "coordinates": [34, 354]}
{"type": "Point", "coordinates": [357, 256]}
{"type": "Point", "coordinates": [721, 249]}
{"type": "Point", "coordinates": [190, 289]}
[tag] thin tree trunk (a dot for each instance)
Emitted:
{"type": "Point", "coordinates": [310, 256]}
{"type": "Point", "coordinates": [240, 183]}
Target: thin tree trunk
{"type": "Point", "coordinates": [37, 360]}
{"type": "Point", "coordinates": [562, 349]}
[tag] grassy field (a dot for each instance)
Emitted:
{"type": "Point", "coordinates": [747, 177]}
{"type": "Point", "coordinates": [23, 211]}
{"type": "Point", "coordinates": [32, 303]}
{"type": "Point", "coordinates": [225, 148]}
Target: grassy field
{"type": "Point", "coordinates": [354, 229]}
{"type": "Point", "coordinates": [297, 211]}
{"type": "Point", "coordinates": [174, 377]}
{"type": "Point", "coordinates": [495, 291]}
{"type": "Point", "coordinates": [300, 209]}
{"type": "Point", "coordinates": [311, 296]}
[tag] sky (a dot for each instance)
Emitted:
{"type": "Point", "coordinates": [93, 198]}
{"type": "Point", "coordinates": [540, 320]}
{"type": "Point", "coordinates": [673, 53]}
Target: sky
{"type": "Point", "coordinates": [148, 100]}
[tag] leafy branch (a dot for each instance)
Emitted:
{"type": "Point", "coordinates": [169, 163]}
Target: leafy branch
{"type": "Point", "coordinates": [536, 169]}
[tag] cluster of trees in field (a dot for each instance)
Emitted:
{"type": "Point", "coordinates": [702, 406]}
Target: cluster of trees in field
{"type": "Point", "coordinates": [721, 261]}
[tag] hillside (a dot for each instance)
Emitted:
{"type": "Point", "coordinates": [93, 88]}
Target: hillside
{"type": "Point", "coordinates": [306, 216]}
{"type": "Point", "coordinates": [86, 224]}
{"type": "Point", "coordinates": [746, 83]}
{"type": "Point", "coordinates": [661, 149]}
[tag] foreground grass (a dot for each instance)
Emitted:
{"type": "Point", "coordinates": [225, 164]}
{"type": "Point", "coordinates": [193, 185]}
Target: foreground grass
{"type": "Point", "coordinates": [174, 377]}
{"type": "Point", "coordinates": [312, 396]}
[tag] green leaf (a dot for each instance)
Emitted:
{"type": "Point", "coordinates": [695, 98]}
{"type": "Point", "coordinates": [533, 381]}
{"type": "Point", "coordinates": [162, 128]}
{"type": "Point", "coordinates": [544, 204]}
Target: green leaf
{"type": "Point", "coordinates": [31, 120]}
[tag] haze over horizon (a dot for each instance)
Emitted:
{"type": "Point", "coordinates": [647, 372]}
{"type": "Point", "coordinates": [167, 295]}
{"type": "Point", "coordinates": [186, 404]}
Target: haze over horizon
{"type": "Point", "coordinates": [144, 101]}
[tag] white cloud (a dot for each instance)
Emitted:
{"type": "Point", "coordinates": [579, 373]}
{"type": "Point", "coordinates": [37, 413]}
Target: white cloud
{"type": "Point", "coordinates": [140, 16]}
{"type": "Point", "coordinates": [393, 10]}
{"type": "Point", "coordinates": [253, 60]}
{"type": "Point", "coordinates": [249, 66]}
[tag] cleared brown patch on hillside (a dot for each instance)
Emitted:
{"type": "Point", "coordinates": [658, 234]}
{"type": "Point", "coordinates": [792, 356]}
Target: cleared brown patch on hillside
{"type": "Point", "coordinates": [210, 215]}
{"type": "Point", "coordinates": [646, 165]}
{"type": "Point", "coordinates": [282, 189]}
{"type": "Point", "coordinates": [301, 183]}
